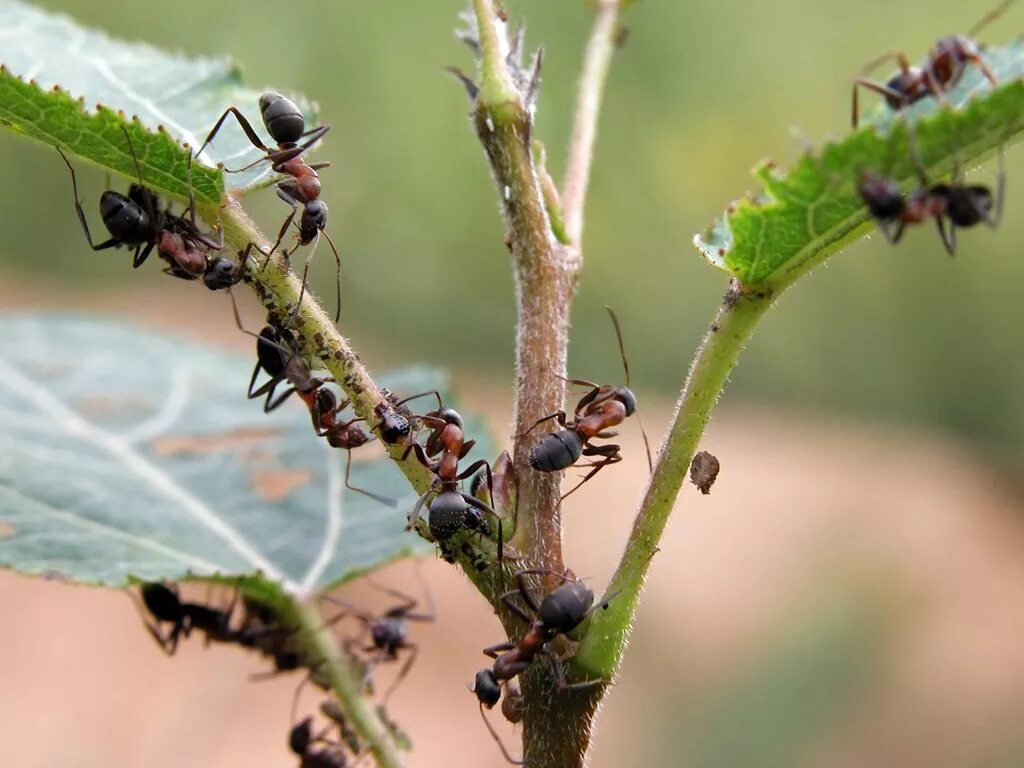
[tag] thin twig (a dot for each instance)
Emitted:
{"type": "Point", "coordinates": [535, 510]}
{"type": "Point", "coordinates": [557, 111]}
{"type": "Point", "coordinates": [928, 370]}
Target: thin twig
{"type": "Point", "coordinates": [596, 63]}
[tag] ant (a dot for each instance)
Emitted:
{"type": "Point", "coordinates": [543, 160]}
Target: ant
{"type": "Point", "coordinates": [560, 612]}
{"type": "Point", "coordinates": [136, 219]}
{"type": "Point", "coordinates": [964, 205]}
{"type": "Point", "coordinates": [939, 73]}
{"type": "Point", "coordinates": [389, 632]}
{"type": "Point", "coordinates": [450, 509]}
{"type": "Point", "coordinates": [301, 741]}
{"type": "Point", "coordinates": [602, 407]}
{"type": "Point", "coordinates": [165, 605]}
{"type": "Point", "coordinates": [286, 126]}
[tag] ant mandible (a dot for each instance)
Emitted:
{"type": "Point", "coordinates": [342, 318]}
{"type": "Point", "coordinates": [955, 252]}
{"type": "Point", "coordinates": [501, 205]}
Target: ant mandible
{"type": "Point", "coordinates": [287, 126]}
{"type": "Point", "coordinates": [389, 632]}
{"type": "Point", "coordinates": [964, 205]}
{"type": "Point", "coordinates": [940, 72]}
{"type": "Point", "coordinates": [602, 407]}
{"type": "Point", "coordinates": [136, 219]}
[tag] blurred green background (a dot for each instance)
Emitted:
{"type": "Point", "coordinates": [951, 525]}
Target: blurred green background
{"type": "Point", "coordinates": [890, 336]}
{"type": "Point", "coordinates": [701, 92]}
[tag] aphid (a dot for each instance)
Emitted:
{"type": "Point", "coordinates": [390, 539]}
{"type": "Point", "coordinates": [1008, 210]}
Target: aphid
{"type": "Point", "coordinates": [603, 407]}
{"type": "Point", "coordinates": [703, 471]}
{"type": "Point", "coordinates": [940, 72]}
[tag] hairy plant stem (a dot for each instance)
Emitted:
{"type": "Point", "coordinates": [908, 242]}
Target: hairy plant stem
{"type": "Point", "coordinates": [600, 651]}
{"type": "Point", "coordinates": [346, 681]}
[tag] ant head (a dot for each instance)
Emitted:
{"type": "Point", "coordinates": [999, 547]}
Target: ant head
{"type": "Point", "coordinates": [880, 194]}
{"type": "Point", "coordinates": [161, 601]}
{"type": "Point", "coordinates": [301, 736]}
{"type": "Point", "coordinates": [448, 415]}
{"type": "Point", "coordinates": [314, 218]}
{"type": "Point", "coordinates": [566, 606]}
{"type": "Point", "coordinates": [449, 514]}
{"type": "Point", "coordinates": [282, 118]}
{"type": "Point", "coordinates": [486, 688]}
{"type": "Point", "coordinates": [222, 273]}
{"type": "Point", "coordinates": [625, 396]}
{"type": "Point", "coordinates": [968, 206]}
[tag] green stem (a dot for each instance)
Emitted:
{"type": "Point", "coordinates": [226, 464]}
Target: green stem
{"type": "Point", "coordinates": [346, 683]}
{"type": "Point", "coordinates": [600, 651]}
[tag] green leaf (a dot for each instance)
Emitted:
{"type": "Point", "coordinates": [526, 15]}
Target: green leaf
{"type": "Point", "coordinates": [56, 74]}
{"type": "Point", "coordinates": [801, 218]}
{"type": "Point", "coordinates": [130, 455]}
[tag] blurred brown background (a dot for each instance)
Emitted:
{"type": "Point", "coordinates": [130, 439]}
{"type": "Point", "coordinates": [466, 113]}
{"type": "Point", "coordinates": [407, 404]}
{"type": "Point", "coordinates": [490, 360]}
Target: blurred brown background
{"type": "Point", "coordinates": [851, 594]}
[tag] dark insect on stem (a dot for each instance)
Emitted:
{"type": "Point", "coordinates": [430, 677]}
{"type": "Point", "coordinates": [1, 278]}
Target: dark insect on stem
{"type": "Point", "coordinates": [316, 750]}
{"type": "Point", "coordinates": [388, 631]}
{"type": "Point", "coordinates": [561, 611]}
{"type": "Point", "coordinates": [940, 72]}
{"type": "Point", "coordinates": [703, 471]}
{"type": "Point", "coordinates": [137, 221]}
{"type": "Point", "coordinates": [953, 205]}
{"type": "Point", "coordinates": [287, 127]}
{"type": "Point", "coordinates": [165, 606]}
{"type": "Point", "coordinates": [603, 407]}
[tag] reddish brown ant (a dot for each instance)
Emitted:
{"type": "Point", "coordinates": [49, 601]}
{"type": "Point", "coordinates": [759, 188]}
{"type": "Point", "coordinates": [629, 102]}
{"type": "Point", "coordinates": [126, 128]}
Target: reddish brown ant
{"type": "Point", "coordinates": [388, 631]}
{"type": "Point", "coordinates": [561, 611]}
{"type": "Point", "coordinates": [602, 407]}
{"type": "Point", "coordinates": [964, 205]}
{"type": "Point", "coordinates": [287, 126]}
{"type": "Point", "coordinates": [938, 74]}
{"type": "Point", "coordinates": [136, 219]}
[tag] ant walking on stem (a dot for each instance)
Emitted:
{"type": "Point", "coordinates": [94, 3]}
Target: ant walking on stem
{"type": "Point", "coordinates": [938, 74]}
{"type": "Point", "coordinates": [287, 126]}
{"type": "Point", "coordinates": [604, 406]}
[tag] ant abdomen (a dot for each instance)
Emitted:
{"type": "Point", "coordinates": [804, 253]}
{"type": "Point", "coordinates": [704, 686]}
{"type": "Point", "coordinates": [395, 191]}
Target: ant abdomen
{"type": "Point", "coordinates": [282, 118]}
{"type": "Point", "coordinates": [968, 206]}
{"type": "Point", "coordinates": [448, 515]}
{"type": "Point", "coordinates": [557, 451]}
{"type": "Point", "coordinates": [124, 218]}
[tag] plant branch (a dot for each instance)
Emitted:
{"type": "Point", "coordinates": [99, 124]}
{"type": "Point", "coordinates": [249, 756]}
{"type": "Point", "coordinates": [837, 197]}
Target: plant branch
{"type": "Point", "coordinates": [545, 274]}
{"type": "Point", "coordinates": [601, 648]}
{"type": "Point", "coordinates": [346, 683]}
{"type": "Point", "coordinates": [596, 63]}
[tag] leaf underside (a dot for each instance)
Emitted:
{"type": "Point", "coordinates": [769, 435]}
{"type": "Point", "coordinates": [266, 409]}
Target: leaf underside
{"type": "Point", "coordinates": [56, 75]}
{"type": "Point", "coordinates": [802, 217]}
{"type": "Point", "coordinates": [128, 455]}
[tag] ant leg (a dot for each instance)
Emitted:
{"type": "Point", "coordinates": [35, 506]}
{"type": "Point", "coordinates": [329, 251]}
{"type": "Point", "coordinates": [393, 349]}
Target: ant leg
{"type": "Point", "coordinates": [273, 405]}
{"type": "Point", "coordinates": [382, 499]}
{"type": "Point", "coordinates": [560, 416]}
{"type": "Point", "coordinates": [320, 166]}
{"type": "Point", "coordinates": [978, 61]}
{"type": "Point", "coordinates": [280, 156]}
{"type": "Point", "coordinates": [140, 258]}
{"type": "Point", "coordinates": [280, 237]}
{"type": "Point", "coordinates": [948, 237]}
{"type": "Point", "coordinates": [495, 650]}
{"type": "Point", "coordinates": [414, 514]}
{"type": "Point", "coordinates": [112, 242]}
{"type": "Point", "coordinates": [997, 216]}
{"type": "Point", "coordinates": [246, 126]}
{"type": "Point", "coordinates": [871, 85]}
{"type": "Point", "coordinates": [413, 652]}
{"type": "Point", "coordinates": [497, 739]}
{"type": "Point", "coordinates": [611, 456]}
{"type": "Point", "coordinates": [434, 392]}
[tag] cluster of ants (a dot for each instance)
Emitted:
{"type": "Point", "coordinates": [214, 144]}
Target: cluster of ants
{"type": "Point", "coordinates": [952, 204]}
{"type": "Point", "coordinates": [137, 220]}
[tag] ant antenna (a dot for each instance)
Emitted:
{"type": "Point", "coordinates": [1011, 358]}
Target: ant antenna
{"type": "Point", "coordinates": [625, 365]}
{"type": "Point", "coordinates": [989, 17]}
{"type": "Point", "coordinates": [337, 261]}
{"type": "Point", "coordinates": [497, 738]}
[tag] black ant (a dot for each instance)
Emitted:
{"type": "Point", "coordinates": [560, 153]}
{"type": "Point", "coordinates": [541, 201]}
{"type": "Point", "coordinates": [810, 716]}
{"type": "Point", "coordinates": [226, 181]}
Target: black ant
{"type": "Point", "coordinates": [166, 606]}
{"type": "Point", "coordinates": [389, 632]}
{"type": "Point", "coordinates": [136, 219]}
{"type": "Point", "coordinates": [286, 125]}
{"type": "Point", "coordinates": [602, 407]}
{"type": "Point", "coordinates": [939, 73]}
{"type": "Point", "coordinates": [301, 741]}
{"type": "Point", "coordinates": [964, 205]}
{"type": "Point", "coordinates": [561, 611]}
